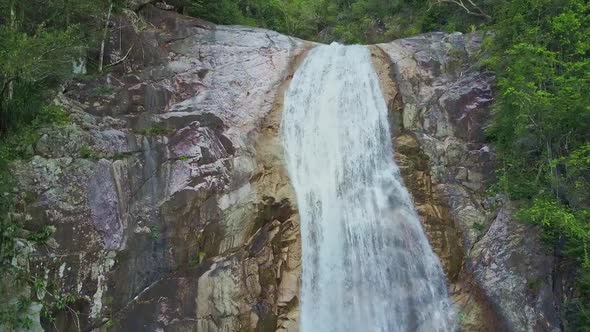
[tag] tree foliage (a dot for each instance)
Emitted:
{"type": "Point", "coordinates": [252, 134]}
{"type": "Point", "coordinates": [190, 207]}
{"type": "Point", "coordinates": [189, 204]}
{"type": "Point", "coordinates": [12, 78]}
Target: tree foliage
{"type": "Point", "coordinates": [541, 125]}
{"type": "Point", "coordinates": [41, 40]}
{"type": "Point", "coordinates": [349, 21]}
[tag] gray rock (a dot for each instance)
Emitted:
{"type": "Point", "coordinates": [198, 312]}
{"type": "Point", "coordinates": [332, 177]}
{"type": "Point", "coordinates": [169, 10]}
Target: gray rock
{"type": "Point", "coordinates": [515, 271]}
{"type": "Point", "coordinates": [506, 280]}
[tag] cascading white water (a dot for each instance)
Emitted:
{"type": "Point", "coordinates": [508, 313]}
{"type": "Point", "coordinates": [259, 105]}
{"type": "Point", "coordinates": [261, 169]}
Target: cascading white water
{"type": "Point", "coordinates": [367, 264]}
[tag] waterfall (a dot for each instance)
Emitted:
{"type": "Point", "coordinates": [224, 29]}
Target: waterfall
{"type": "Point", "coordinates": [367, 264]}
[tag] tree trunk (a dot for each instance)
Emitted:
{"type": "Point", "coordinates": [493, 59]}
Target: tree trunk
{"type": "Point", "coordinates": [10, 87]}
{"type": "Point", "coordinates": [104, 37]}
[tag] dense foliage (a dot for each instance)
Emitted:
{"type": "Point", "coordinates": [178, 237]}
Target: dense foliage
{"type": "Point", "coordinates": [41, 40]}
{"type": "Point", "coordinates": [540, 50]}
{"type": "Point", "coordinates": [541, 126]}
{"type": "Point", "coordinates": [350, 21]}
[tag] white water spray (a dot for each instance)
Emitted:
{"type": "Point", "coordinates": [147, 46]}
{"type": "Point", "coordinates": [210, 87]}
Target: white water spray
{"type": "Point", "coordinates": [367, 264]}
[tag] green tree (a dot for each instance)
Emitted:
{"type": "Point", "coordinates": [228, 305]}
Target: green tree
{"type": "Point", "coordinates": [541, 125]}
{"type": "Point", "coordinates": [41, 40]}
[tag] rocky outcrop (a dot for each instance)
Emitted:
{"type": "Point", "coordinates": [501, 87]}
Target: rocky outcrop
{"type": "Point", "coordinates": [501, 277]}
{"type": "Point", "coordinates": [171, 206]}
{"type": "Point", "coordinates": [173, 211]}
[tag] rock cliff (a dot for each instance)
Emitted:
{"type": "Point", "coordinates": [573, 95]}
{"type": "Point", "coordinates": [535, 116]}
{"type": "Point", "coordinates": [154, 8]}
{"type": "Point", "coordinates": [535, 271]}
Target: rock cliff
{"type": "Point", "coordinates": [173, 211]}
{"type": "Point", "coordinates": [501, 276]}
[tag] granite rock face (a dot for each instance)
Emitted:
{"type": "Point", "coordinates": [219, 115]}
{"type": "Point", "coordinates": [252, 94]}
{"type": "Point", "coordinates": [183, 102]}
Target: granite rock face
{"type": "Point", "coordinates": [172, 207]}
{"type": "Point", "coordinates": [501, 276]}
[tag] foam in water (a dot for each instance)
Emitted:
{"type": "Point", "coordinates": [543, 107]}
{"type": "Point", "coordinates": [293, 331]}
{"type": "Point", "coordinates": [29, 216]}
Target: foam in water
{"type": "Point", "coordinates": [367, 264]}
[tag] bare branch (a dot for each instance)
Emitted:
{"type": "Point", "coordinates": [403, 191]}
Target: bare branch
{"type": "Point", "coordinates": [122, 59]}
{"type": "Point", "coordinates": [467, 5]}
